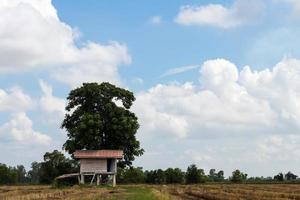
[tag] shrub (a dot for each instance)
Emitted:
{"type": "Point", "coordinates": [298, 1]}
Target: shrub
{"type": "Point", "coordinates": [155, 176]}
{"type": "Point", "coordinates": [131, 175]}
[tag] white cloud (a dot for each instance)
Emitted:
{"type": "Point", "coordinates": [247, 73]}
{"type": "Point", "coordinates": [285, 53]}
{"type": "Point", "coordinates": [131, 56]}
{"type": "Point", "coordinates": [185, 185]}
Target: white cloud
{"type": "Point", "coordinates": [19, 130]}
{"type": "Point", "coordinates": [95, 63]}
{"type": "Point", "coordinates": [264, 155]}
{"type": "Point", "coordinates": [160, 119]}
{"type": "Point", "coordinates": [15, 99]}
{"type": "Point", "coordinates": [17, 134]}
{"type": "Point", "coordinates": [44, 6]}
{"type": "Point", "coordinates": [284, 148]}
{"type": "Point", "coordinates": [231, 119]}
{"type": "Point", "coordinates": [53, 106]}
{"type": "Point", "coordinates": [217, 15]}
{"type": "Point", "coordinates": [183, 108]}
{"type": "Point", "coordinates": [179, 70]}
{"type": "Point", "coordinates": [155, 20]}
{"type": "Point", "coordinates": [226, 101]}
{"type": "Point", "coordinates": [37, 38]}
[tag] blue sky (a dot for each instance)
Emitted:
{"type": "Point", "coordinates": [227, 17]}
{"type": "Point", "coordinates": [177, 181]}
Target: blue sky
{"type": "Point", "coordinates": [216, 82]}
{"type": "Point", "coordinates": [158, 47]}
{"type": "Point", "coordinates": [155, 46]}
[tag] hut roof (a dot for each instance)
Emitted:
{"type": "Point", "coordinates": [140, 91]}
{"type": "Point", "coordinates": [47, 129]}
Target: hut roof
{"type": "Point", "coordinates": [118, 154]}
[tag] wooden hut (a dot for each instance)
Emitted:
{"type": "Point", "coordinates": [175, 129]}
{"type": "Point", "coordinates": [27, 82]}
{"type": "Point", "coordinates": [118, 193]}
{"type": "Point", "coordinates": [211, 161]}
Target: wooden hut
{"type": "Point", "coordinates": [97, 163]}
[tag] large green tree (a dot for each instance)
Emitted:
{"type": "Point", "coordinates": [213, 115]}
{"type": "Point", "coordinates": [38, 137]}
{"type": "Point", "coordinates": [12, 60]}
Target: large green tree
{"type": "Point", "coordinates": [99, 118]}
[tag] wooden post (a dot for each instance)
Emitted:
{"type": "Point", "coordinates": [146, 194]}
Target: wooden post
{"type": "Point", "coordinates": [115, 166]}
{"type": "Point", "coordinates": [114, 180]}
{"type": "Point", "coordinates": [78, 179]}
{"type": "Point", "coordinates": [82, 179]}
{"type": "Point", "coordinates": [98, 179]}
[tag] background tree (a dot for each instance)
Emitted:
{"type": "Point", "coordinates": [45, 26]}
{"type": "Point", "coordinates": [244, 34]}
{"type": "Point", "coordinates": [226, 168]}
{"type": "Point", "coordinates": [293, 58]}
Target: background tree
{"type": "Point", "coordinates": [95, 121]}
{"type": "Point", "coordinates": [55, 164]}
{"type": "Point", "coordinates": [149, 177]}
{"type": "Point", "coordinates": [290, 176]}
{"type": "Point", "coordinates": [34, 173]}
{"type": "Point", "coordinates": [130, 175]}
{"type": "Point", "coordinates": [220, 176]}
{"type": "Point", "coordinates": [7, 175]}
{"type": "Point", "coordinates": [216, 176]}
{"type": "Point", "coordinates": [21, 174]}
{"type": "Point", "coordinates": [160, 176]}
{"type": "Point", "coordinates": [279, 177]}
{"type": "Point", "coordinates": [174, 175]}
{"type": "Point", "coordinates": [194, 175]}
{"type": "Point", "coordinates": [238, 176]}
{"type": "Point", "coordinates": [155, 176]}
{"type": "Point", "coordinates": [212, 174]}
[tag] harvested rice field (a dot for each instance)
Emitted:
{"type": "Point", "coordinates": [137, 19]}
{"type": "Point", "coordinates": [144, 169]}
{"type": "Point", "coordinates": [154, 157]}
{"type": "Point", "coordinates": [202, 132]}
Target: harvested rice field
{"type": "Point", "coordinates": [155, 192]}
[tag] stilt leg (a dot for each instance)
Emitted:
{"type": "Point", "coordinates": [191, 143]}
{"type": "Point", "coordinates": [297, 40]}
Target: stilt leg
{"type": "Point", "coordinates": [98, 179]}
{"type": "Point", "coordinates": [114, 180]}
{"type": "Point", "coordinates": [82, 179]}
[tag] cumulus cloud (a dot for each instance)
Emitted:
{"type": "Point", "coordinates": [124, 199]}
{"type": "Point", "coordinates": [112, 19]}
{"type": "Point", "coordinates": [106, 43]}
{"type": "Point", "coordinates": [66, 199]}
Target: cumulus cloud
{"type": "Point", "coordinates": [37, 38]}
{"type": "Point", "coordinates": [167, 121]}
{"type": "Point", "coordinates": [219, 103]}
{"type": "Point", "coordinates": [14, 100]}
{"type": "Point", "coordinates": [19, 129]}
{"type": "Point", "coordinates": [245, 118]}
{"type": "Point", "coordinates": [285, 148]}
{"type": "Point", "coordinates": [226, 101]}
{"type": "Point", "coordinates": [52, 106]}
{"type": "Point", "coordinates": [217, 15]}
{"type": "Point", "coordinates": [95, 63]}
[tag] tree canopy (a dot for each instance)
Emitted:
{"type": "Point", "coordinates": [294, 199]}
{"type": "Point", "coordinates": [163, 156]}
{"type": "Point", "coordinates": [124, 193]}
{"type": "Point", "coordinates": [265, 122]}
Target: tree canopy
{"type": "Point", "coordinates": [238, 176]}
{"type": "Point", "coordinates": [290, 176]}
{"type": "Point", "coordinates": [55, 164]}
{"type": "Point", "coordinates": [216, 176]}
{"type": "Point", "coordinates": [174, 175]}
{"type": "Point", "coordinates": [194, 175]}
{"type": "Point", "coordinates": [99, 118]}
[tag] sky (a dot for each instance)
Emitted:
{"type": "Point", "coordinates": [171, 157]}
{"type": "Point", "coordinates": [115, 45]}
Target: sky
{"type": "Point", "coordinates": [217, 83]}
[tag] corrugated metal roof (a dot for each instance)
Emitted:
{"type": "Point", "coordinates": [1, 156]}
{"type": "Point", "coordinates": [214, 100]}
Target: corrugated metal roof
{"type": "Point", "coordinates": [98, 154]}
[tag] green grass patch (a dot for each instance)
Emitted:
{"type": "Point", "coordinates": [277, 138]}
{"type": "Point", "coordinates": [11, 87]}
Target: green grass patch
{"type": "Point", "coordinates": [136, 193]}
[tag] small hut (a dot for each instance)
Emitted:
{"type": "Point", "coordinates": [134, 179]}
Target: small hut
{"type": "Point", "coordinates": [97, 163]}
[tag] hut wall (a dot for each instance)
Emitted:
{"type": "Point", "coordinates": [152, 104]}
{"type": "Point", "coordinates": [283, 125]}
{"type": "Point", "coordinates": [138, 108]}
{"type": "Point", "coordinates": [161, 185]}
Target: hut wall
{"type": "Point", "coordinates": [93, 165]}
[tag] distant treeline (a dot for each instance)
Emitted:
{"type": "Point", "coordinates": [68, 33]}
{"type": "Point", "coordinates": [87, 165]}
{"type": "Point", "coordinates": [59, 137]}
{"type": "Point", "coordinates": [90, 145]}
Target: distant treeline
{"type": "Point", "coordinates": [195, 175]}
{"type": "Point", "coordinates": [55, 164]}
